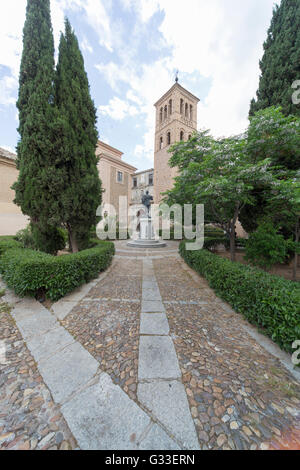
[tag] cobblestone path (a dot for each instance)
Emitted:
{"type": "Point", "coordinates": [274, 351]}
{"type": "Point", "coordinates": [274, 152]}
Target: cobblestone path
{"type": "Point", "coordinates": [145, 357]}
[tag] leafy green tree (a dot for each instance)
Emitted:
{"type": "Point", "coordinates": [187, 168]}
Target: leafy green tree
{"type": "Point", "coordinates": [221, 176]}
{"type": "Point", "coordinates": [266, 247]}
{"type": "Point", "coordinates": [39, 123]}
{"type": "Point", "coordinates": [277, 137]}
{"type": "Point", "coordinates": [81, 193]}
{"type": "Point", "coordinates": [283, 209]}
{"type": "Point", "coordinates": [280, 65]}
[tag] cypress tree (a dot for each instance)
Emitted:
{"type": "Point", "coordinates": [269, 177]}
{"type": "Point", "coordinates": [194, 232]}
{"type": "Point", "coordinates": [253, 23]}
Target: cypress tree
{"type": "Point", "coordinates": [280, 65]}
{"type": "Point", "coordinates": [82, 193]}
{"type": "Point", "coordinates": [38, 121]}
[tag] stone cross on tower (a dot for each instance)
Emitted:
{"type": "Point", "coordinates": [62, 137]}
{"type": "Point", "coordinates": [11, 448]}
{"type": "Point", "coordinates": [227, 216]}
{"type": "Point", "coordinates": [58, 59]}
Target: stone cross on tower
{"type": "Point", "coordinates": [176, 120]}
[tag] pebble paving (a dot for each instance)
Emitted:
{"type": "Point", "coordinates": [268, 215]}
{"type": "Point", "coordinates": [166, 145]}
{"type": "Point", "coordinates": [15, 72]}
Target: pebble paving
{"type": "Point", "coordinates": [225, 390]}
{"type": "Point", "coordinates": [29, 418]}
{"type": "Point", "coordinates": [240, 396]}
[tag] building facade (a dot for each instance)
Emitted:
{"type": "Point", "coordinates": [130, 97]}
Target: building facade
{"type": "Point", "coordinates": [116, 175]}
{"type": "Point", "coordinates": [176, 120]}
{"type": "Point", "coordinates": [11, 218]}
{"type": "Point", "coordinates": [142, 181]}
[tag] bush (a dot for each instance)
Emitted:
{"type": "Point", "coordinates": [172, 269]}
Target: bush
{"type": "Point", "coordinates": [265, 300]}
{"type": "Point", "coordinates": [49, 239]}
{"type": "Point", "coordinates": [28, 271]}
{"type": "Point", "coordinates": [266, 247]}
{"type": "Point", "coordinates": [25, 237]}
{"type": "Point", "coordinates": [8, 243]}
{"type": "Point", "coordinates": [210, 243]}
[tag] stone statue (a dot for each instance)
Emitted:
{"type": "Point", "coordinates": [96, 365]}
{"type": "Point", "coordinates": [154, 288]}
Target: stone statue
{"type": "Point", "coordinates": [146, 201]}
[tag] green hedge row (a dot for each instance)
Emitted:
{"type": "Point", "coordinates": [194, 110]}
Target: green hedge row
{"type": "Point", "coordinates": [28, 271]}
{"type": "Point", "coordinates": [265, 300]}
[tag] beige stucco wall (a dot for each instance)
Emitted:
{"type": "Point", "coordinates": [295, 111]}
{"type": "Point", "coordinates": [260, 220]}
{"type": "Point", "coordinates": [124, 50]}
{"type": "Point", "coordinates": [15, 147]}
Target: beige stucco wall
{"type": "Point", "coordinates": [11, 218]}
{"type": "Point", "coordinates": [109, 164]}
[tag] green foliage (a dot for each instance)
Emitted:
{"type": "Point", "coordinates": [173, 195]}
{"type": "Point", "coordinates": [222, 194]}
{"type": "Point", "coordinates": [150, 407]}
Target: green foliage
{"type": "Point", "coordinates": [2, 293]}
{"type": "Point", "coordinates": [221, 175]}
{"type": "Point", "coordinates": [25, 238]}
{"type": "Point", "coordinates": [8, 243]}
{"type": "Point", "coordinates": [48, 239]}
{"type": "Point", "coordinates": [211, 243]}
{"type": "Point", "coordinates": [266, 247]}
{"type": "Point", "coordinates": [37, 189]}
{"type": "Point", "coordinates": [81, 193]}
{"type": "Point", "coordinates": [275, 136]}
{"type": "Point", "coordinates": [267, 301]}
{"type": "Point", "coordinates": [280, 63]}
{"type": "Point", "coordinates": [27, 271]}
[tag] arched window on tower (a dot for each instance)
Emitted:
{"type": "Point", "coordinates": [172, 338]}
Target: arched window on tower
{"type": "Point", "coordinates": [181, 106]}
{"type": "Point", "coordinates": [191, 112]}
{"type": "Point", "coordinates": [161, 115]}
{"type": "Point", "coordinates": [190, 137]}
{"type": "Point", "coordinates": [186, 110]}
{"type": "Point", "coordinates": [170, 107]}
{"type": "Point", "coordinates": [181, 135]}
{"type": "Point", "coordinates": [166, 112]}
{"type": "Point", "coordinates": [169, 138]}
{"type": "Point", "coordinates": [161, 143]}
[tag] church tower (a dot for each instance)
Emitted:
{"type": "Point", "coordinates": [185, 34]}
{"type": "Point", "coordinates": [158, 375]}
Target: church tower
{"type": "Point", "coordinates": [176, 120]}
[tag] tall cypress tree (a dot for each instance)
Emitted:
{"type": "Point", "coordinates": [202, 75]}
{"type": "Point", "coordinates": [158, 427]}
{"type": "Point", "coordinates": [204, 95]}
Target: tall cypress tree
{"type": "Point", "coordinates": [39, 122]}
{"type": "Point", "coordinates": [280, 65]}
{"type": "Point", "coordinates": [82, 192]}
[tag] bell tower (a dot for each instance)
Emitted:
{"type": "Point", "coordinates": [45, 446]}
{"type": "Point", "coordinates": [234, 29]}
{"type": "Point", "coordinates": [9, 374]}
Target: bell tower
{"type": "Point", "coordinates": [176, 120]}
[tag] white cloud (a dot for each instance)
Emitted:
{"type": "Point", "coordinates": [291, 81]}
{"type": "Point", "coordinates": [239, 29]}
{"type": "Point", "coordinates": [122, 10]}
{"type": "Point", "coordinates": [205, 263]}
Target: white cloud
{"type": "Point", "coordinates": [8, 87]}
{"type": "Point", "coordinates": [12, 19]}
{"type": "Point", "coordinates": [220, 40]}
{"type": "Point", "coordinates": [118, 109]}
{"type": "Point", "coordinates": [85, 46]}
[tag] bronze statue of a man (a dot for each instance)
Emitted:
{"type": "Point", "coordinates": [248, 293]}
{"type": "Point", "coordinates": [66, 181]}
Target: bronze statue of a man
{"type": "Point", "coordinates": [146, 201]}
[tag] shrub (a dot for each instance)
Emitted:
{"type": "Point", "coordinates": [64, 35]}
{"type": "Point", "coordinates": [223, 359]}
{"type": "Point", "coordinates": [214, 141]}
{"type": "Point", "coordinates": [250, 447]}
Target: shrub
{"type": "Point", "coordinates": [8, 243]}
{"type": "Point", "coordinates": [25, 237]}
{"type": "Point", "coordinates": [28, 271]}
{"type": "Point", "coordinates": [49, 239]}
{"type": "Point", "coordinates": [265, 300]}
{"type": "Point", "coordinates": [266, 247]}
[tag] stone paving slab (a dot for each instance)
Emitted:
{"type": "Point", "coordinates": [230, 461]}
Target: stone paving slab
{"type": "Point", "coordinates": [35, 324]}
{"type": "Point", "coordinates": [103, 417]}
{"type": "Point", "coordinates": [158, 439]}
{"type": "Point", "coordinates": [154, 324]}
{"type": "Point", "coordinates": [62, 308]}
{"type": "Point", "coordinates": [151, 294]}
{"type": "Point", "coordinates": [150, 284]}
{"type": "Point", "coordinates": [48, 344]}
{"type": "Point", "coordinates": [150, 306]}
{"type": "Point", "coordinates": [67, 370]}
{"type": "Point", "coordinates": [167, 401]}
{"type": "Point", "coordinates": [157, 358]}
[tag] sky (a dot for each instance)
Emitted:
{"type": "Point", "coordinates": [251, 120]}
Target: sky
{"type": "Point", "coordinates": [132, 49]}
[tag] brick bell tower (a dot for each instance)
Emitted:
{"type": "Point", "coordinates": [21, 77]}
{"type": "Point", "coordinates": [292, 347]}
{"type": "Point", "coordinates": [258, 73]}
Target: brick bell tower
{"type": "Point", "coordinates": [176, 120]}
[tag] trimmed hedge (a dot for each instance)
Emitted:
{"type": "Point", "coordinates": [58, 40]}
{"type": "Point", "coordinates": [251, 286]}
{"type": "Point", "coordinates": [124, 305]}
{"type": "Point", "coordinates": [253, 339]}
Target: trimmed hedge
{"type": "Point", "coordinates": [28, 271]}
{"type": "Point", "coordinates": [265, 300]}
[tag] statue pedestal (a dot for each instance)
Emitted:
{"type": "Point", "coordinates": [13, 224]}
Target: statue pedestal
{"type": "Point", "coordinates": [147, 236]}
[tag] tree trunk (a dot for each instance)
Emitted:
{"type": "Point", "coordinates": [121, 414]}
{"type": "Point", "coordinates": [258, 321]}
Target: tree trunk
{"type": "Point", "coordinates": [232, 243]}
{"type": "Point", "coordinates": [295, 264]}
{"type": "Point", "coordinates": [72, 241]}
{"type": "Point", "coordinates": [232, 233]}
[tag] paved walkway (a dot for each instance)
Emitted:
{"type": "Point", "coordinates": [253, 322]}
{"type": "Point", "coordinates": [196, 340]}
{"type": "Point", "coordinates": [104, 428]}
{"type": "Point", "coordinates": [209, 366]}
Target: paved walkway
{"type": "Point", "coordinates": [147, 357]}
